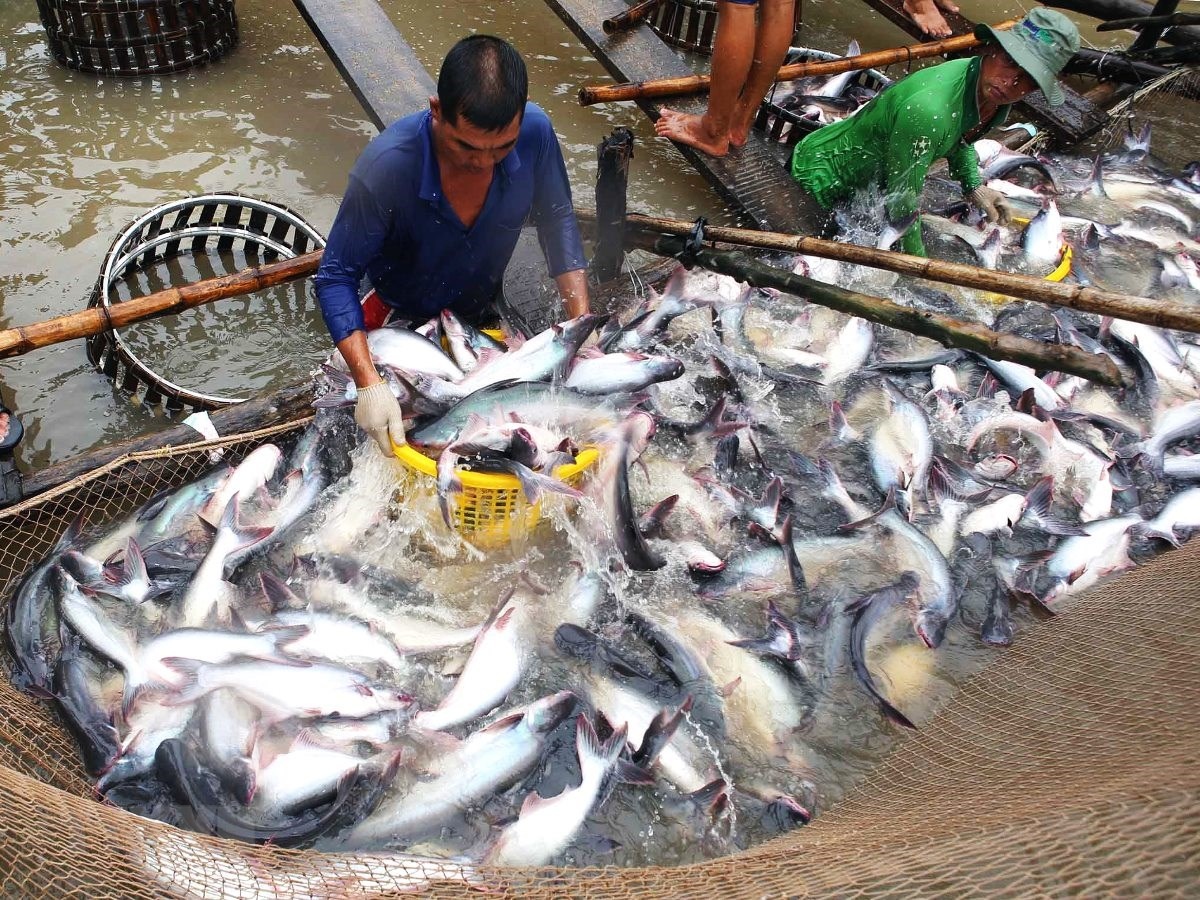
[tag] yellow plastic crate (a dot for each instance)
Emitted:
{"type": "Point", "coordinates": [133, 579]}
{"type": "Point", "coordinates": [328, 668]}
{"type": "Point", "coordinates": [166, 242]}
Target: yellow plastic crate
{"type": "Point", "coordinates": [1061, 271]}
{"type": "Point", "coordinates": [492, 508]}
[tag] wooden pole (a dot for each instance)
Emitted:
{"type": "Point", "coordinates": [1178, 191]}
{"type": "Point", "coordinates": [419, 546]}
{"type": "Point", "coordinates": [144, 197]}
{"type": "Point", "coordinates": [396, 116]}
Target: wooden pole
{"type": "Point", "coordinates": [696, 84]}
{"type": "Point", "coordinates": [612, 182]}
{"type": "Point", "coordinates": [1160, 313]}
{"type": "Point", "coordinates": [631, 16]}
{"type": "Point", "coordinates": [945, 330]}
{"type": "Point", "coordinates": [15, 341]}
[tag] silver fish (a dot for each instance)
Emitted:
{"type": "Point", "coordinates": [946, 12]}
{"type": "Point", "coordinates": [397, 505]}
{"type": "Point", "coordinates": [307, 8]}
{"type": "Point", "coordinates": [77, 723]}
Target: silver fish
{"type": "Point", "coordinates": [500, 656]}
{"type": "Point", "coordinates": [547, 825]}
{"type": "Point", "coordinates": [488, 762]}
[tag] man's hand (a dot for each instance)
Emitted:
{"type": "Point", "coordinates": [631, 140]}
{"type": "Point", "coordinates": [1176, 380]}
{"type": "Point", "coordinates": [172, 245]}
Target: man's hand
{"type": "Point", "coordinates": [377, 412]}
{"type": "Point", "coordinates": [992, 204]}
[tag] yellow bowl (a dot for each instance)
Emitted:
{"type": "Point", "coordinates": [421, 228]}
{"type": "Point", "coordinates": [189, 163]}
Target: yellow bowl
{"type": "Point", "coordinates": [492, 507]}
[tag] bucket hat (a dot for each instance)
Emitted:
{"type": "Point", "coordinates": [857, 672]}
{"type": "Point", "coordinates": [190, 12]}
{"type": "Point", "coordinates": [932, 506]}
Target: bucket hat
{"type": "Point", "coordinates": [1041, 44]}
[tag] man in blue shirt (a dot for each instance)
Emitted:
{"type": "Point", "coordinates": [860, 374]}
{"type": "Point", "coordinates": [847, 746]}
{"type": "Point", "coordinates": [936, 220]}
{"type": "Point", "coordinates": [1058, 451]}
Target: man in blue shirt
{"type": "Point", "coordinates": [433, 210]}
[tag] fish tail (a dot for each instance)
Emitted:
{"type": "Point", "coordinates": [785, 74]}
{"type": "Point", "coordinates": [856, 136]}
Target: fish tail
{"type": "Point", "coordinates": [596, 758]}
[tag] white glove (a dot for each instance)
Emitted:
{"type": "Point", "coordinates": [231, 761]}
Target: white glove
{"type": "Point", "coordinates": [377, 412]}
{"type": "Point", "coordinates": [993, 204]}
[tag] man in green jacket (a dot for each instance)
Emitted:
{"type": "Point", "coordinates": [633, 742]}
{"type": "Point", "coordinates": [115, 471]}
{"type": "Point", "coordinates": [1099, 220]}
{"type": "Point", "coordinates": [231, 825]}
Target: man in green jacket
{"type": "Point", "coordinates": [937, 112]}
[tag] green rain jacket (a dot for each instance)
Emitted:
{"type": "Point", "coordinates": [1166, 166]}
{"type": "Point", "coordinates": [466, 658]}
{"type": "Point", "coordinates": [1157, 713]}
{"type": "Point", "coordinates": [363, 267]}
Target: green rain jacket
{"type": "Point", "coordinates": [894, 139]}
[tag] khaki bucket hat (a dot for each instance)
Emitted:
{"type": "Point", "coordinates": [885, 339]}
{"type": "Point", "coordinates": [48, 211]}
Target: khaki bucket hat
{"type": "Point", "coordinates": [1041, 44]}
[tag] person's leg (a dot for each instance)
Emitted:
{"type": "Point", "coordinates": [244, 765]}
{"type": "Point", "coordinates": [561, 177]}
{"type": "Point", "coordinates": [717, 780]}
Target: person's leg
{"type": "Point", "coordinates": [775, 25]}
{"type": "Point", "coordinates": [733, 52]}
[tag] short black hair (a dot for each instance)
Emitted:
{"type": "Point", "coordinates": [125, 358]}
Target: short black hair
{"type": "Point", "coordinates": [483, 79]}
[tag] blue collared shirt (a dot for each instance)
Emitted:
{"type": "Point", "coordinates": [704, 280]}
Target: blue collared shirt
{"type": "Point", "coordinates": [396, 227]}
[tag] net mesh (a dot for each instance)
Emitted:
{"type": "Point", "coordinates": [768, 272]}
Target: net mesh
{"type": "Point", "coordinates": [1068, 767]}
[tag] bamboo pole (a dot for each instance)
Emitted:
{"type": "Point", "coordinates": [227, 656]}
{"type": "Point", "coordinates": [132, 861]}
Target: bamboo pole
{"type": "Point", "coordinates": [698, 84]}
{"type": "Point", "coordinates": [945, 330]}
{"type": "Point", "coordinates": [16, 341]}
{"type": "Point", "coordinates": [630, 17]}
{"type": "Point", "coordinates": [1027, 287]}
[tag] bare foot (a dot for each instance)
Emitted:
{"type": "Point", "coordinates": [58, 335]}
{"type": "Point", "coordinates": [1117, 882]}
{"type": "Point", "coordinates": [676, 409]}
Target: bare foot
{"type": "Point", "coordinates": [685, 128]}
{"type": "Point", "coordinates": [947, 5]}
{"type": "Point", "coordinates": [927, 17]}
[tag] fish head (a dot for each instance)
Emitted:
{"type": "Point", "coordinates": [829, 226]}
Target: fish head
{"type": "Point", "coordinates": [931, 627]}
{"type": "Point", "coordinates": [997, 631]}
{"type": "Point", "coordinates": [242, 780]}
{"type": "Point", "coordinates": [573, 640]}
{"type": "Point", "coordinates": [545, 715]}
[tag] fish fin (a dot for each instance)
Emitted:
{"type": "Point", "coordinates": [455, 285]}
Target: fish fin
{"type": "Point", "coordinates": [137, 692]}
{"type": "Point", "coordinates": [651, 523]}
{"type": "Point", "coordinates": [727, 689]}
{"type": "Point", "coordinates": [631, 773]}
{"type": "Point", "coordinates": [73, 530]}
{"type": "Point", "coordinates": [795, 570]}
{"type": "Point", "coordinates": [278, 595]}
{"type": "Point", "coordinates": [889, 504]}
{"type": "Point", "coordinates": [531, 802]}
{"type": "Point", "coordinates": [502, 724]}
{"type": "Point", "coordinates": [709, 795]}
{"type": "Point", "coordinates": [1037, 501]}
{"type": "Point", "coordinates": [894, 715]}
{"type": "Point", "coordinates": [502, 621]}
{"type": "Point", "coordinates": [1026, 402]}
{"type": "Point", "coordinates": [190, 688]}
{"type": "Point", "coordinates": [284, 635]}
{"type": "Point", "coordinates": [1076, 575]}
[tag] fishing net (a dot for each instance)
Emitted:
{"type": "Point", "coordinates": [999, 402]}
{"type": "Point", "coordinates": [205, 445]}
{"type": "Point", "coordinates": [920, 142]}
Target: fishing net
{"type": "Point", "coordinates": [1069, 766]}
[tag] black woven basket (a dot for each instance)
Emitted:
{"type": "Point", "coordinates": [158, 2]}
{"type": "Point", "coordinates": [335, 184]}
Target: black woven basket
{"type": "Point", "coordinates": [691, 24]}
{"type": "Point", "coordinates": [138, 37]}
{"type": "Point", "coordinates": [789, 127]}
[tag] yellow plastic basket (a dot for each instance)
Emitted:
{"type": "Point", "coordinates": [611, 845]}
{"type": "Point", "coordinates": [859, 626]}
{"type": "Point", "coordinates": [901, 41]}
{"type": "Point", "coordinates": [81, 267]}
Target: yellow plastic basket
{"type": "Point", "coordinates": [492, 508]}
{"type": "Point", "coordinates": [1061, 271]}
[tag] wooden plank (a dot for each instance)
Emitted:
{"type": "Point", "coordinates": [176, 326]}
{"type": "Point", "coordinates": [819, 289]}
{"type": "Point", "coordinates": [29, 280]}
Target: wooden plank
{"type": "Point", "coordinates": [1077, 119]}
{"type": "Point", "coordinates": [373, 58]}
{"type": "Point", "coordinates": [755, 180]}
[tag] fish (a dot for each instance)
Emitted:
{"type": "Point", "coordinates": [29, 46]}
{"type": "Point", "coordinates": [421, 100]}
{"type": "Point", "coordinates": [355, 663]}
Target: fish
{"type": "Point", "coordinates": [866, 611]}
{"type": "Point", "coordinates": [179, 769]}
{"type": "Point", "coordinates": [74, 686]}
{"type": "Point", "coordinates": [208, 595]}
{"type": "Point", "coordinates": [1042, 239]}
{"type": "Point", "coordinates": [287, 691]}
{"type": "Point", "coordinates": [489, 761]}
{"type": "Point", "coordinates": [499, 658]}
{"type": "Point", "coordinates": [1171, 426]}
{"type": "Point", "coordinates": [610, 493]}
{"type": "Point", "coordinates": [902, 449]}
{"type": "Point", "coordinates": [229, 729]}
{"type": "Point", "coordinates": [621, 373]}
{"type": "Point", "coordinates": [545, 357]}
{"type": "Point", "coordinates": [546, 826]}
{"type": "Point", "coordinates": [532, 402]}
{"type": "Point", "coordinates": [31, 620]}
{"type": "Point", "coordinates": [406, 351]}
{"type": "Point", "coordinates": [306, 775]}
{"type": "Point", "coordinates": [1175, 521]}
{"type": "Point", "coordinates": [1079, 562]}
